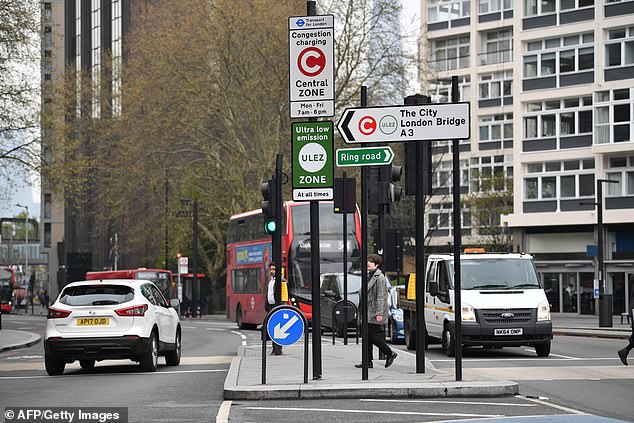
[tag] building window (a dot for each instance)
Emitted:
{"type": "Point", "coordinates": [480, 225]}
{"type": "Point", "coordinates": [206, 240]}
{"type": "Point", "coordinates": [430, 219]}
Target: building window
{"type": "Point", "coordinates": [96, 57]}
{"type": "Point", "coordinates": [619, 50]}
{"type": "Point", "coordinates": [539, 7]}
{"type": "Point", "coordinates": [559, 55]}
{"type": "Point", "coordinates": [575, 4]}
{"type": "Point", "coordinates": [450, 53]}
{"type": "Point", "coordinates": [444, 11]}
{"type": "Point", "coordinates": [48, 206]}
{"type": "Point", "coordinates": [487, 175]}
{"type": "Point", "coordinates": [440, 90]}
{"type": "Point", "coordinates": [558, 118]}
{"type": "Point", "coordinates": [613, 116]}
{"type": "Point", "coordinates": [496, 128]}
{"type": "Point", "coordinates": [620, 169]}
{"type": "Point", "coordinates": [116, 58]}
{"type": "Point", "coordinates": [47, 235]}
{"type": "Point", "coordinates": [497, 47]}
{"type": "Point", "coordinates": [569, 179]}
{"type": "Point", "coordinates": [495, 85]}
{"type": "Point", "coordinates": [491, 6]}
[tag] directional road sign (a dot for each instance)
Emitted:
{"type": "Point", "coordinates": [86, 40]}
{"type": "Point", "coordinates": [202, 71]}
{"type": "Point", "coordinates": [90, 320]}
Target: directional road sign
{"type": "Point", "coordinates": [312, 66]}
{"type": "Point", "coordinates": [429, 122]}
{"type": "Point", "coordinates": [285, 326]}
{"type": "Point", "coordinates": [313, 161]}
{"type": "Point", "coordinates": [367, 156]}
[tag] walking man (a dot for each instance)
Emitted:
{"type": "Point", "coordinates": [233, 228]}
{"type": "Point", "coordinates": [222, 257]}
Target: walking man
{"type": "Point", "coordinates": [377, 311]}
{"type": "Point", "coordinates": [271, 303]}
{"type": "Point", "coordinates": [625, 351]}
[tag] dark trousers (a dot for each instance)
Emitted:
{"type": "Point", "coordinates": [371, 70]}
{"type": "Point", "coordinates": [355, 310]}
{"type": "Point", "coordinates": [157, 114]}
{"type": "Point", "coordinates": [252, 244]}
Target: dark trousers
{"type": "Point", "coordinates": [376, 336]}
{"type": "Point", "coordinates": [277, 348]}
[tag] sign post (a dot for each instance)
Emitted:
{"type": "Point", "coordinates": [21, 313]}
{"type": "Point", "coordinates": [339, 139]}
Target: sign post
{"type": "Point", "coordinates": [312, 69]}
{"type": "Point", "coordinates": [313, 163]}
{"type": "Point", "coordinates": [183, 268]}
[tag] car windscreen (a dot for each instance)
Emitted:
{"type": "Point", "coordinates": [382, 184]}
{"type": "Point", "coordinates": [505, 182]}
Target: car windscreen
{"type": "Point", "coordinates": [503, 273]}
{"type": "Point", "coordinates": [93, 295]}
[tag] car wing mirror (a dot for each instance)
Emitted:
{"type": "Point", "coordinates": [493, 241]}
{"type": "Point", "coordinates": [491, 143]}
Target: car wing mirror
{"type": "Point", "coordinates": [175, 302]}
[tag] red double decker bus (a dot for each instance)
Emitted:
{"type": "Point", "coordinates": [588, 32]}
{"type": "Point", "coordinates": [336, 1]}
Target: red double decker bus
{"type": "Point", "coordinates": [161, 278]}
{"type": "Point", "coordinates": [249, 252]}
{"type": "Point", "coordinates": [7, 285]}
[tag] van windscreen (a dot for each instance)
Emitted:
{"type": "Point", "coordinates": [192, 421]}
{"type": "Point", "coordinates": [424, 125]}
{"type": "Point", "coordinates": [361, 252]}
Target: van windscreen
{"type": "Point", "coordinates": [497, 274]}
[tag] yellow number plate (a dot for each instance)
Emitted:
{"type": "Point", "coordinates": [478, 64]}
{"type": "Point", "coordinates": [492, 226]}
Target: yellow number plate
{"type": "Point", "coordinates": [93, 321]}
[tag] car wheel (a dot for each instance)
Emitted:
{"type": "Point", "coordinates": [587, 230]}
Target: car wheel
{"type": "Point", "coordinates": [53, 366]}
{"type": "Point", "coordinates": [543, 350]}
{"type": "Point", "coordinates": [149, 361]}
{"type": "Point", "coordinates": [87, 364]}
{"type": "Point", "coordinates": [448, 343]}
{"type": "Point", "coordinates": [173, 358]}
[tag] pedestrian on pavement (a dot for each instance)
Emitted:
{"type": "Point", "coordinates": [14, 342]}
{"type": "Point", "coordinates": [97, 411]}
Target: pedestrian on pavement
{"type": "Point", "coordinates": [271, 303]}
{"type": "Point", "coordinates": [625, 351]}
{"type": "Point", "coordinates": [377, 311]}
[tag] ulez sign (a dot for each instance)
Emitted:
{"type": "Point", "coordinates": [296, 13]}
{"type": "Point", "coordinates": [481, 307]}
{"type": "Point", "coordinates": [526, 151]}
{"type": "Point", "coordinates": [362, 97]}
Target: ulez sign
{"type": "Point", "coordinates": [368, 156]}
{"type": "Point", "coordinates": [313, 160]}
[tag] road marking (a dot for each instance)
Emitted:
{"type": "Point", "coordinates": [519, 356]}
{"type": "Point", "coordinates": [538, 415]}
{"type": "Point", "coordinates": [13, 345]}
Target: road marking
{"type": "Point", "coordinates": [558, 407]}
{"type": "Point", "coordinates": [223, 412]}
{"type": "Point", "coordinates": [505, 404]}
{"type": "Point", "coordinates": [391, 412]}
{"type": "Point", "coordinates": [542, 360]}
{"type": "Point", "coordinates": [190, 327]}
{"type": "Point", "coordinates": [118, 374]}
{"type": "Point", "coordinates": [532, 350]}
{"type": "Point", "coordinates": [243, 336]}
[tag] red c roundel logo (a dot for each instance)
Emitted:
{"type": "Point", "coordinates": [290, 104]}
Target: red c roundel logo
{"type": "Point", "coordinates": [367, 125]}
{"type": "Point", "coordinates": [311, 61]}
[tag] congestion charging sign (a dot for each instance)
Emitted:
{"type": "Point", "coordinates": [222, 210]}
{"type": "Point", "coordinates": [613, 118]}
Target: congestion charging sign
{"type": "Point", "coordinates": [312, 69]}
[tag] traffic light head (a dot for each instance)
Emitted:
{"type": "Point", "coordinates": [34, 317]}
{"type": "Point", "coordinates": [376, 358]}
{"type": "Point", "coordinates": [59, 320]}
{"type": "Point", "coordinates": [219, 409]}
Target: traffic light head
{"type": "Point", "coordinates": [268, 205]}
{"type": "Point", "coordinates": [389, 175]}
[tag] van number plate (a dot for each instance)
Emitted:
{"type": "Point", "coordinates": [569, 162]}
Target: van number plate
{"type": "Point", "coordinates": [517, 331]}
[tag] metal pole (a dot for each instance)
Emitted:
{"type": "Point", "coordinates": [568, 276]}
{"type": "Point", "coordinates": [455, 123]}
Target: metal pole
{"type": "Point", "coordinates": [166, 231]}
{"type": "Point", "coordinates": [345, 260]}
{"type": "Point", "coordinates": [195, 292]}
{"type": "Point", "coordinates": [364, 258]}
{"type": "Point", "coordinates": [457, 240]}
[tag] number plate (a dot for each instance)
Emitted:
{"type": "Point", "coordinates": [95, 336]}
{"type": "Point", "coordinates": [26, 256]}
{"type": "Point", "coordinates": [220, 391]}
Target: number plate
{"type": "Point", "coordinates": [93, 321]}
{"type": "Point", "coordinates": [516, 331]}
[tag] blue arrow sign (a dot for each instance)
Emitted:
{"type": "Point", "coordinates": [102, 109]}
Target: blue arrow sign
{"type": "Point", "coordinates": [285, 326]}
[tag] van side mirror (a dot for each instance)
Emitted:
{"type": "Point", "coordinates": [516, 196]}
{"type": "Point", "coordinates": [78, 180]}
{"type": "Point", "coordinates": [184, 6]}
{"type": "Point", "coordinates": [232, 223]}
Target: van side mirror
{"type": "Point", "coordinates": [433, 289]}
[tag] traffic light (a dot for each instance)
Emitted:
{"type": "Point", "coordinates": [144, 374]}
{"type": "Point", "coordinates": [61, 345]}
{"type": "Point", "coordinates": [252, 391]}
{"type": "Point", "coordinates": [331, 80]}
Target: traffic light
{"type": "Point", "coordinates": [389, 175]}
{"type": "Point", "coordinates": [412, 160]}
{"type": "Point", "coordinates": [269, 209]}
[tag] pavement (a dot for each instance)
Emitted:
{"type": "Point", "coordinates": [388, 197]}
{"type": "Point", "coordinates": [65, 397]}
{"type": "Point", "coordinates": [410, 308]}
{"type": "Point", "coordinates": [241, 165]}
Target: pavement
{"type": "Point", "coordinates": [284, 375]}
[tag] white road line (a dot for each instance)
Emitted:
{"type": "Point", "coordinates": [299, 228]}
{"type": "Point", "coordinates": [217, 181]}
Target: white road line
{"type": "Point", "coordinates": [241, 335]}
{"type": "Point", "coordinates": [505, 404]}
{"type": "Point", "coordinates": [190, 327]}
{"type": "Point", "coordinates": [223, 412]}
{"type": "Point", "coordinates": [117, 374]}
{"type": "Point", "coordinates": [404, 413]}
{"type": "Point", "coordinates": [558, 407]}
{"type": "Point", "coordinates": [532, 350]}
{"type": "Point", "coordinates": [544, 417]}
{"type": "Point", "coordinates": [217, 329]}
{"type": "Point", "coordinates": [542, 360]}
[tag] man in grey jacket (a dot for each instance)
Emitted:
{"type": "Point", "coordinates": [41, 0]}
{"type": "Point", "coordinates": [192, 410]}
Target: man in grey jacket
{"type": "Point", "coordinates": [377, 311]}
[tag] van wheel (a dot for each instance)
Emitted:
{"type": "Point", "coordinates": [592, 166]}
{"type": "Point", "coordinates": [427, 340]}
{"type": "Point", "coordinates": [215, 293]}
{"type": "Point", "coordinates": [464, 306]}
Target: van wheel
{"type": "Point", "coordinates": [543, 350]}
{"type": "Point", "coordinates": [448, 343]}
{"type": "Point", "coordinates": [410, 338]}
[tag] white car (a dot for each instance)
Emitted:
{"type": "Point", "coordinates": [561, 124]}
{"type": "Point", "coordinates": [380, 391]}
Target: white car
{"type": "Point", "coordinates": [111, 319]}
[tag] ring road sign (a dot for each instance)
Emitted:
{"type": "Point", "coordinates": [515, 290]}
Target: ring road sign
{"type": "Point", "coordinates": [285, 326]}
{"type": "Point", "coordinates": [313, 160]}
{"type": "Point", "coordinates": [312, 69]}
{"type": "Point", "coordinates": [368, 156]}
{"type": "Point", "coordinates": [429, 122]}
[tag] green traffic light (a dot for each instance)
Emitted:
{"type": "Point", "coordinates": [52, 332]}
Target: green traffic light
{"type": "Point", "coordinates": [269, 226]}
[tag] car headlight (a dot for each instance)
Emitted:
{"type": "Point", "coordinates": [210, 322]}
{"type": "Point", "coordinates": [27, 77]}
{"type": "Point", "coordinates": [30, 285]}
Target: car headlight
{"type": "Point", "coordinates": [543, 311]}
{"type": "Point", "coordinates": [468, 313]}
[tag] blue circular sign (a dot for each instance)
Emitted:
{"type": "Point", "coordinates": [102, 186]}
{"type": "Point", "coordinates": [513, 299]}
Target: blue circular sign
{"type": "Point", "coordinates": [285, 326]}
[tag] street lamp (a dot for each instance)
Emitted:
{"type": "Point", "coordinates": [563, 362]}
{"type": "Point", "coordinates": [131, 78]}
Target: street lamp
{"type": "Point", "coordinates": [26, 249]}
{"type": "Point", "coordinates": [605, 300]}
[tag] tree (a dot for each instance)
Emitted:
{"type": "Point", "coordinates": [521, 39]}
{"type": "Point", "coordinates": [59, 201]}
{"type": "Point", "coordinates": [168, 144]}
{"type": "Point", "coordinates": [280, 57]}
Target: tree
{"type": "Point", "coordinates": [19, 68]}
{"type": "Point", "coordinates": [492, 198]}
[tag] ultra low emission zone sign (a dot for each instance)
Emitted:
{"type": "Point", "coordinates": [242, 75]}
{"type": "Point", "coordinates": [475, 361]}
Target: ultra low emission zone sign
{"type": "Point", "coordinates": [430, 122]}
{"type": "Point", "coordinates": [367, 156]}
{"type": "Point", "coordinates": [313, 162]}
{"type": "Point", "coordinates": [312, 69]}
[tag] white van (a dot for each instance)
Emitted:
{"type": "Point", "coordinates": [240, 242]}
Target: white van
{"type": "Point", "coordinates": [503, 302]}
